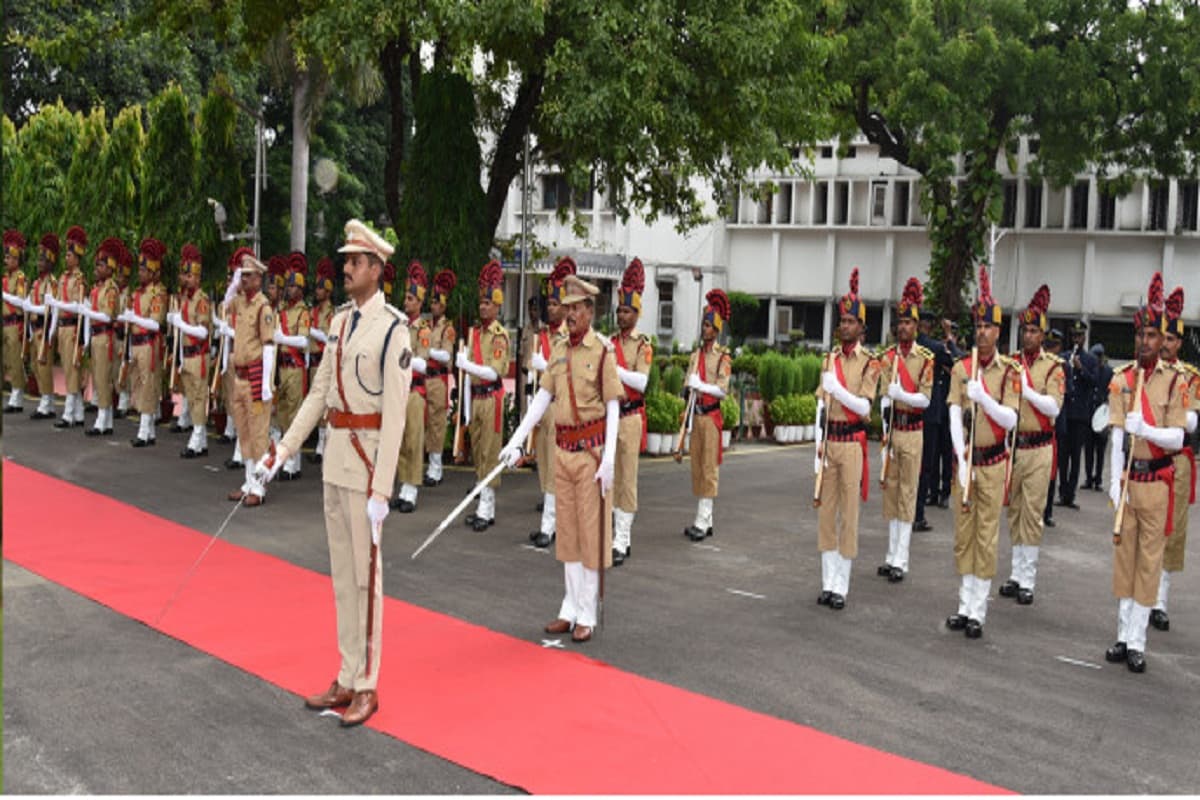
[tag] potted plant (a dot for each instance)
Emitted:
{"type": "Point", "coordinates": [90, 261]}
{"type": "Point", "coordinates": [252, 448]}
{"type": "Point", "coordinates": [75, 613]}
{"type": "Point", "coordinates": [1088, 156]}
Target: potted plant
{"type": "Point", "coordinates": [779, 413]}
{"type": "Point", "coordinates": [656, 421]}
{"type": "Point", "coordinates": [676, 408]}
{"type": "Point", "coordinates": [808, 416]}
{"type": "Point", "coordinates": [730, 417]}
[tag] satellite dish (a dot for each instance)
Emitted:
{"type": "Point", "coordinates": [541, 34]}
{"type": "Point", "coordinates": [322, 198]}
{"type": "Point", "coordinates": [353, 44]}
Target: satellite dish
{"type": "Point", "coordinates": [325, 173]}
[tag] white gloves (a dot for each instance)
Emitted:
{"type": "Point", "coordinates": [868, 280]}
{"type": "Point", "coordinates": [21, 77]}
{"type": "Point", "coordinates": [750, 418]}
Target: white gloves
{"type": "Point", "coordinates": [914, 399]}
{"type": "Point", "coordinates": [290, 341]}
{"type": "Point", "coordinates": [1116, 466]}
{"type": "Point", "coordinates": [377, 511]}
{"type": "Point", "coordinates": [268, 391]}
{"type": "Point", "coordinates": [318, 335]}
{"type": "Point", "coordinates": [605, 476]}
{"type": "Point", "coordinates": [612, 422]}
{"type": "Point", "coordinates": [14, 300]}
{"type": "Point", "coordinates": [833, 387]}
{"type": "Point", "coordinates": [418, 365]}
{"type": "Point", "coordinates": [538, 362]}
{"type": "Point", "coordinates": [817, 461]}
{"type": "Point", "coordinates": [471, 368]}
{"type": "Point", "coordinates": [1042, 402]}
{"type": "Point", "coordinates": [234, 285]}
{"type": "Point", "coordinates": [173, 318]}
{"type": "Point", "coordinates": [959, 443]}
{"type": "Point", "coordinates": [695, 383]}
{"type": "Point", "coordinates": [1166, 438]}
{"type": "Point", "coordinates": [885, 403]}
{"type": "Point", "coordinates": [268, 467]}
{"type": "Point", "coordinates": [510, 455]}
{"type": "Point", "coordinates": [1190, 425]}
{"type": "Point", "coordinates": [1003, 416]}
{"type": "Point", "coordinates": [142, 322]}
{"type": "Point", "coordinates": [461, 361]}
{"type": "Point", "coordinates": [633, 379]}
{"type": "Point", "coordinates": [441, 356]}
{"type": "Point", "coordinates": [1134, 423]}
{"type": "Point", "coordinates": [975, 391]}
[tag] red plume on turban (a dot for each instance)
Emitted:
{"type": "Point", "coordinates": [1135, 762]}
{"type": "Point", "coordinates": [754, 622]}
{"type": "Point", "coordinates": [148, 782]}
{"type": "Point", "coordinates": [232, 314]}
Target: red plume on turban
{"type": "Point", "coordinates": [110, 250]}
{"type": "Point", "coordinates": [418, 280]}
{"type": "Point", "coordinates": [633, 283]}
{"type": "Point", "coordinates": [911, 299]}
{"type": "Point", "coordinates": [1152, 313]}
{"type": "Point", "coordinates": [851, 304]}
{"type": "Point", "coordinates": [443, 284]}
{"type": "Point", "coordinates": [14, 242]}
{"type": "Point", "coordinates": [718, 310]}
{"type": "Point", "coordinates": [152, 252]}
{"type": "Point", "coordinates": [77, 239]}
{"type": "Point", "coordinates": [1174, 308]}
{"type": "Point", "coordinates": [325, 273]}
{"type": "Point", "coordinates": [235, 260]}
{"type": "Point", "coordinates": [554, 285]}
{"type": "Point", "coordinates": [50, 245]}
{"type": "Point", "coordinates": [986, 309]}
{"type": "Point", "coordinates": [491, 281]}
{"type": "Point", "coordinates": [1035, 314]}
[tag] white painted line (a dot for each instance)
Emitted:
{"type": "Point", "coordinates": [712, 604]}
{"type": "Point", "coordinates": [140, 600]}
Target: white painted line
{"type": "Point", "coordinates": [211, 468]}
{"type": "Point", "coordinates": [536, 549]}
{"type": "Point", "coordinates": [329, 712]}
{"type": "Point", "coordinates": [747, 594]}
{"type": "Point", "coordinates": [1078, 663]}
{"type": "Point", "coordinates": [114, 444]}
{"type": "Point", "coordinates": [552, 643]}
{"type": "Point", "coordinates": [712, 547]}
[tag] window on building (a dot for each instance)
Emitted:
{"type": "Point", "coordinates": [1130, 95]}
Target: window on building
{"type": "Point", "coordinates": [1035, 146]}
{"type": "Point", "coordinates": [1033, 204]}
{"type": "Point", "coordinates": [1159, 196]}
{"type": "Point", "coordinates": [797, 320]}
{"type": "Point", "coordinates": [666, 306]}
{"type": "Point", "coordinates": [879, 203]}
{"type": "Point", "coordinates": [1106, 210]}
{"type": "Point", "coordinates": [900, 204]}
{"type": "Point", "coordinates": [841, 202]}
{"type": "Point", "coordinates": [783, 208]}
{"type": "Point", "coordinates": [851, 152]}
{"type": "Point", "coordinates": [827, 151]}
{"type": "Point", "coordinates": [875, 334]}
{"type": "Point", "coordinates": [1079, 204]}
{"type": "Point", "coordinates": [795, 152]}
{"type": "Point", "coordinates": [556, 192]}
{"type": "Point", "coordinates": [1008, 217]}
{"type": "Point", "coordinates": [821, 204]}
{"type": "Point", "coordinates": [1189, 204]}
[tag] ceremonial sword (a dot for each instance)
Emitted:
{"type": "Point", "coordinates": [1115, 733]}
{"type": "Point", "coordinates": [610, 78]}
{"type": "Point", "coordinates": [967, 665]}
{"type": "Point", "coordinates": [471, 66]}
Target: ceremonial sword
{"type": "Point", "coordinates": [212, 540]}
{"type": "Point", "coordinates": [458, 509]}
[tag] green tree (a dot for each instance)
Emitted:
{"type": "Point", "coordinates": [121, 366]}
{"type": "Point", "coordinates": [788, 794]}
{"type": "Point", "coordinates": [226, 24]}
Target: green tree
{"type": "Point", "coordinates": [10, 154]}
{"type": "Point", "coordinates": [170, 206]}
{"type": "Point", "coordinates": [86, 181]}
{"type": "Point", "coordinates": [47, 143]}
{"type": "Point", "coordinates": [221, 176]}
{"type": "Point", "coordinates": [121, 165]}
{"type": "Point", "coordinates": [744, 308]}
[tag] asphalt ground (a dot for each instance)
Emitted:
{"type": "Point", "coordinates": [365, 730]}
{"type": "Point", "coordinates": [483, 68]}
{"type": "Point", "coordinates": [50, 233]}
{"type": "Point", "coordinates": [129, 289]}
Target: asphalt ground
{"type": "Point", "coordinates": [95, 702]}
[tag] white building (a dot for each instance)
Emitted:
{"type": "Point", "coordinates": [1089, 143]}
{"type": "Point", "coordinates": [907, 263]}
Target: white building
{"type": "Point", "coordinates": [796, 249]}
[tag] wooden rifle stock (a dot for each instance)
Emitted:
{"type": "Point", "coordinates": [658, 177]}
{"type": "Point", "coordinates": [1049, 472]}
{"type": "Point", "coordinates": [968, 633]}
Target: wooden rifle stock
{"type": "Point", "coordinates": [966, 495]}
{"type": "Point", "coordinates": [887, 435]}
{"type": "Point", "coordinates": [173, 362]}
{"type": "Point", "coordinates": [686, 422]}
{"type": "Point", "coordinates": [1130, 441]}
{"type": "Point", "coordinates": [820, 480]}
{"type": "Point", "coordinates": [77, 356]}
{"type": "Point", "coordinates": [123, 374]}
{"type": "Point", "coordinates": [463, 398]}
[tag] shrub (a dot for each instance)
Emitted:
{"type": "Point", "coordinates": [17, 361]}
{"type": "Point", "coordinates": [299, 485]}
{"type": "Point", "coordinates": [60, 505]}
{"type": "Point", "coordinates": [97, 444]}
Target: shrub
{"type": "Point", "coordinates": [654, 379]}
{"type": "Point", "coordinates": [807, 409]}
{"type": "Point", "coordinates": [746, 364]}
{"type": "Point", "coordinates": [810, 373]}
{"type": "Point", "coordinates": [663, 412]}
{"type": "Point", "coordinates": [770, 373]}
{"type": "Point", "coordinates": [672, 380]}
{"type": "Point", "coordinates": [731, 412]}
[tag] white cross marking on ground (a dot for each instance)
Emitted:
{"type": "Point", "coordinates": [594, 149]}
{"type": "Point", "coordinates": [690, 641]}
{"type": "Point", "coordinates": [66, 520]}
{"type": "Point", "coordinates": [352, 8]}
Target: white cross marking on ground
{"type": "Point", "coordinates": [551, 643]}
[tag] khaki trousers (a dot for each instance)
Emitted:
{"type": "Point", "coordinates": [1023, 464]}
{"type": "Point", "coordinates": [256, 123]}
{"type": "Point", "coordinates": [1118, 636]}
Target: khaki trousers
{"type": "Point", "coordinates": [410, 468]}
{"type": "Point", "coordinates": [579, 510]}
{"type": "Point", "coordinates": [1177, 541]}
{"type": "Point", "coordinates": [837, 518]}
{"type": "Point", "coordinates": [977, 531]}
{"type": "Point", "coordinates": [14, 366]}
{"type": "Point", "coordinates": [289, 395]}
{"type": "Point", "coordinates": [485, 439]}
{"type": "Point", "coordinates": [195, 388]}
{"type": "Point", "coordinates": [102, 369]}
{"type": "Point", "coordinates": [435, 424]}
{"type": "Point", "coordinates": [117, 360]}
{"type": "Point", "coordinates": [625, 472]}
{"type": "Point", "coordinates": [252, 418]}
{"type": "Point", "coordinates": [1138, 559]}
{"type": "Point", "coordinates": [43, 372]}
{"type": "Point", "coordinates": [1027, 494]}
{"type": "Point", "coordinates": [348, 531]}
{"type": "Point", "coordinates": [903, 475]}
{"type": "Point", "coordinates": [546, 448]}
{"type": "Point", "coordinates": [145, 378]}
{"type": "Point", "coordinates": [66, 355]}
{"type": "Point", "coordinates": [705, 447]}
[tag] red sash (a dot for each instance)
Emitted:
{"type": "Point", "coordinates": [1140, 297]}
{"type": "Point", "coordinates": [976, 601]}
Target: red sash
{"type": "Point", "coordinates": [195, 340]}
{"type": "Point", "coordinates": [997, 430]}
{"type": "Point", "coordinates": [477, 357]}
{"type": "Point", "coordinates": [631, 395]}
{"type": "Point", "coordinates": [96, 306]}
{"type": "Point", "coordinates": [1167, 475]}
{"type": "Point", "coordinates": [137, 309]}
{"type": "Point", "coordinates": [544, 342]}
{"type": "Point", "coordinates": [1043, 421]}
{"type": "Point", "coordinates": [716, 416]}
{"type": "Point", "coordinates": [861, 436]}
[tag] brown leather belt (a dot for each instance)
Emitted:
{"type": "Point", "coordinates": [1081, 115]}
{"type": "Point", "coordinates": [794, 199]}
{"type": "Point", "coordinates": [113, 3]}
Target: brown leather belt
{"type": "Point", "coordinates": [580, 437]}
{"type": "Point", "coordinates": [344, 419]}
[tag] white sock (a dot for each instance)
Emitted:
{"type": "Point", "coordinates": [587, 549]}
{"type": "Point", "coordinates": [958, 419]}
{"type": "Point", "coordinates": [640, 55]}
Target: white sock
{"type": "Point", "coordinates": [903, 538]}
{"type": "Point", "coordinates": [1164, 588]}
{"type": "Point", "coordinates": [549, 514]}
{"type": "Point", "coordinates": [1139, 617]}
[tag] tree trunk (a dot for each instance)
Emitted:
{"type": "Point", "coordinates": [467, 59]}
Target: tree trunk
{"type": "Point", "coordinates": [506, 161]}
{"type": "Point", "coordinates": [300, 89]}
{"type": "Point", "coordinates": [392, 63]}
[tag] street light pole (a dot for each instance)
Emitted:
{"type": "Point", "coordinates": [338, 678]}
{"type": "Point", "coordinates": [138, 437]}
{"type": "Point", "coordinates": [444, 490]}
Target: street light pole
{"type": "Point", "coordinates": [525, 178]}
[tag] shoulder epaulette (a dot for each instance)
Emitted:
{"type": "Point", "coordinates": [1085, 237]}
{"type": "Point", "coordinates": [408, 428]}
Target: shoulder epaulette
{"type": "Point", "coordinates": [1124, 368]}
{"type": "Point", "coordinates": [346, 306]}
{"type": "Point", "coordinates": [1054, 358]}
{"type": "Point", "coordinates": [925, 352]}
{"type": "Point", "coordinates": [1188, 369]}
{"type": "Point", "coordinates": [397, 313]}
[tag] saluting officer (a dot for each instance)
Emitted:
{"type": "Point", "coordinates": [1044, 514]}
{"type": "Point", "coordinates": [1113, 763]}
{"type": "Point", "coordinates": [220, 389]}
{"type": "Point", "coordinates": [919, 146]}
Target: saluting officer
{"type": "Point", "coordinates": [71, 290]}
{"type": "Point", "coordinates": [634, 355]}
{"type": "Point", "coordinates": [908, 375]}
{"type": "Point", "coordinates": [145, 316]}
{"type": "Point", "coordinates": [1156, 419]}
{"type": "Point", "coordinates": [1043, 386]}
{"type": "Point", "coordinates": [318, 331]}
{"type": "Point", "coordinates": [14, 320]}
{"type": "Point", "coordinates": [992, 394]}
{"type": "Point", "coordinates": [41, 296]}
{"type": "Point", "coordinates": [1185, 461]}
{"type": "Point", "coordinates": [708, 379]}
{"type": "Point", "coordinates": [849, 379]}
{"type": "Point", "coordinates": [411, 464]}
{"type": "Point", "coordinates": [101, 310]}
{"type": "Point", "coordinates": [486, 363]}
{"type": "Point", "coordinates": [291, 340]}
{"type": "Point", "coordinates": [582, 382]}
{"type": "Point", "coordinates": [360, 392]}
{"type": "Point", "coordinates": [193, 318]}
{"type": "Point", "coordinates": [437, 374]}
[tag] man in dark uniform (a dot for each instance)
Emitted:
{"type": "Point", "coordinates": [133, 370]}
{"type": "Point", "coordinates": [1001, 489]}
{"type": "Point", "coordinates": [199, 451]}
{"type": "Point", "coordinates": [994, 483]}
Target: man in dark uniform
{"type": "Point", "coordinates": [1094, 446]}
{"type": "Point", "coordinates": [934, 418]}
{"type": "Point", "coordinates": [1079, 415]}
{"type": "Point", "coordinates": [1053, 345]}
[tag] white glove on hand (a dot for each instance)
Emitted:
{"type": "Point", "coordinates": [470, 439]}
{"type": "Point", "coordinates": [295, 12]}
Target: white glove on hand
{"type": "Point", "coordinates": [377, 511]}
{"type": "Point", "coordinates": [884, 404]}
{"type": "Point", "coordinates": [538, 363]}
{"type": "Point", "coordinates": [123, 316]}
{"type": "Point", "coordinates": [173, 318]}
{"type": "Point", "coordinates": [1114, 490]}
{"type": "Point", "coordinates": [963, 471]}
{"type": "Point", "coordinates": [234, 285]}
{"type": "Point", "coordinates": [605, 476]}
{"type": "Point", "coordinates": [268, 467]}
{"type": "Point", "coordinates": [975, 391]}
{"type": "Point", "coordinates": [461, 361]}
{"type": "Point", "coordinates": [895, 391]}
{"type": "Point", "coordinates": [830, 383]}
{"type": "Point", "coordinates": [1134, 423]}
{"type": "Point", "coordinates": [268, 393]}
{"type": "Point", "coordinates": [510, 455]}
{"type": "Point", "coordinates": [694, 381]}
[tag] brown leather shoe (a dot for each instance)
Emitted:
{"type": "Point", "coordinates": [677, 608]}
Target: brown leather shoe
{"type": "Point", "coordinates": [253, 500]}
{"type": "Point", "coordinates": [558, 626]}
{"type": "Point", "coordinates": [364, 704]}
{"type": "Point", "coordinates": [333, 697]}
{"type": "Point", "coordinates": [235, 495]}
{"type": "Point", "coordinates": [582, 634]}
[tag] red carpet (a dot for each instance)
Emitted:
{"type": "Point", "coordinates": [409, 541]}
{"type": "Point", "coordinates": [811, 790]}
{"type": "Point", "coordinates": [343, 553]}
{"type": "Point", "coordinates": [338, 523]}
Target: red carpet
{"type": "Point", "coordinates": [451, 688]}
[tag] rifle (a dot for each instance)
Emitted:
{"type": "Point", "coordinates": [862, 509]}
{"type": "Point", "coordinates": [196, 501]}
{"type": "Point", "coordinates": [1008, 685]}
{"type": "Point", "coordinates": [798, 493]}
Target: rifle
{"type": "Point", "coordinates": [44, 339]}
{"type": "Point", "coordinates": [685, 424]}
{"type": "Point", "coordinates": [173, 365]}
{"type": "Point", "coordinates": [887, 431]}
{"type": "Point", "coordinates": [463, 398]}
{"type": "Point", "coordinates": [966, 495]}
{"type": "Point", "coordinates": [123, 374]}
{"type": "Point", "coordinates": [78, 355]}
{"type": "Point", "coordinates": [820, 480]}
{"type": "Point", "coordinates": [1119, 518]}
{"type": "Point", "coordinates": [216, 378]}
{"type": "Point", "coordinates": [1010, 439]}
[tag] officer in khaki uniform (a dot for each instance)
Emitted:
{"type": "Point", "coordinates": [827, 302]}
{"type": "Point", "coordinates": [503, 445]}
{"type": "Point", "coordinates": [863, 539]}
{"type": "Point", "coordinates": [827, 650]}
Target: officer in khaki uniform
{"type": "Point", "coordinates": [582, 383]}
{"type": "Point", "coordinates": [318, 332]}
{"type": "Point", "coordinates": [64, 326]}
{"type": "Point", "coordinates": [145, 316]}
{"type": "Point", "coordinates": [1185, 461]}
{"type": "Point", "coordinates": [486, 364]}
{"type": "Point", "coordinates": [850, 375]}
{"type": "Point", "coordinates": [224, 329]}
{"type": "Point", "coordinates": [982, 411]}
{"type": "Point", "coordinates": [121, 382]}
{"type": "Point", "coordinates": [41, 351]}
{"type": "Point", "coordinates": [708, 379]}
{"type": "Point", "coordinates": [1043, 386]}
{"type": "Point", "coordinates": [908, 375]}
{"type": "Point", "coordinates": [410, 468]}
{"type": "Point", "coordinates": [1156, 418]}
{"type": "Point", "coordinates": [291, 339]}
{"type": "Point", "coordinates": [634, 355]}
{"type": "Point", "coordinates": [101, 309]}
{"type": "Point", "coordinates": [539, 359]}
{"type": "Point", "coordinates": [437, 374]}
{"type": "Point", "coordinates": [360, 393]}
{"type": "Point", "coordinates": [252, 362]}
{"type": "Point", "coordinates": [14, 320]}
{"type": "Point", "coordinates": [192, 319]}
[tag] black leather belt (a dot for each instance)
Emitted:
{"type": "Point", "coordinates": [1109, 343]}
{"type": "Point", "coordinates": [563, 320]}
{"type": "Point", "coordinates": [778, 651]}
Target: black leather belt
{"type": "Point", "coordinates": [986, 456]}
{"type": "Point", "coordinates": [142, 338]}
{"type": "Point", "coordinates": [908, 421]}
{"type": "Point", "coordinates": [487, 389]}
{"type": "Point", "coordinates": [192, 350]}
{"type": "Point", "coordinates": [1147, 466]}
{"type": "Point", "coordinates": [1026, 441]}
{"type": "Point", "coordinates": [702, 408]}
{"type": "Point", "coordinates": [66, 322]}
{"type": "Point", "coordinates": [12, 319]}
{"type": "Point", "coordinates": [433, 369]}
{"type": "Point", "coordinates": [101, 328]}
{"type": "Point", "coordinates": [845, 428]}
{"type": "Point", "coordinates": [630, 406]}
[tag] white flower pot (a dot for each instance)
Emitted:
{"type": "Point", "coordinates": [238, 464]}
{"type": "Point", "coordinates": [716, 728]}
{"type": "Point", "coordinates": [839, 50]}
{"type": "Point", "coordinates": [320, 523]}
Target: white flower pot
{"type": "Point", "coordinates": [671, 444]}
{"type": "Point", "coordinates": [726, 438]}
{"type": "Point", "coordinates": [781, 434]}
{"type": "Point", "coordinates": [810, 432]}
{"type": "Point", "coordinates": [653, 443]}
{"type": "Point", "coordinates": [796, 433]}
